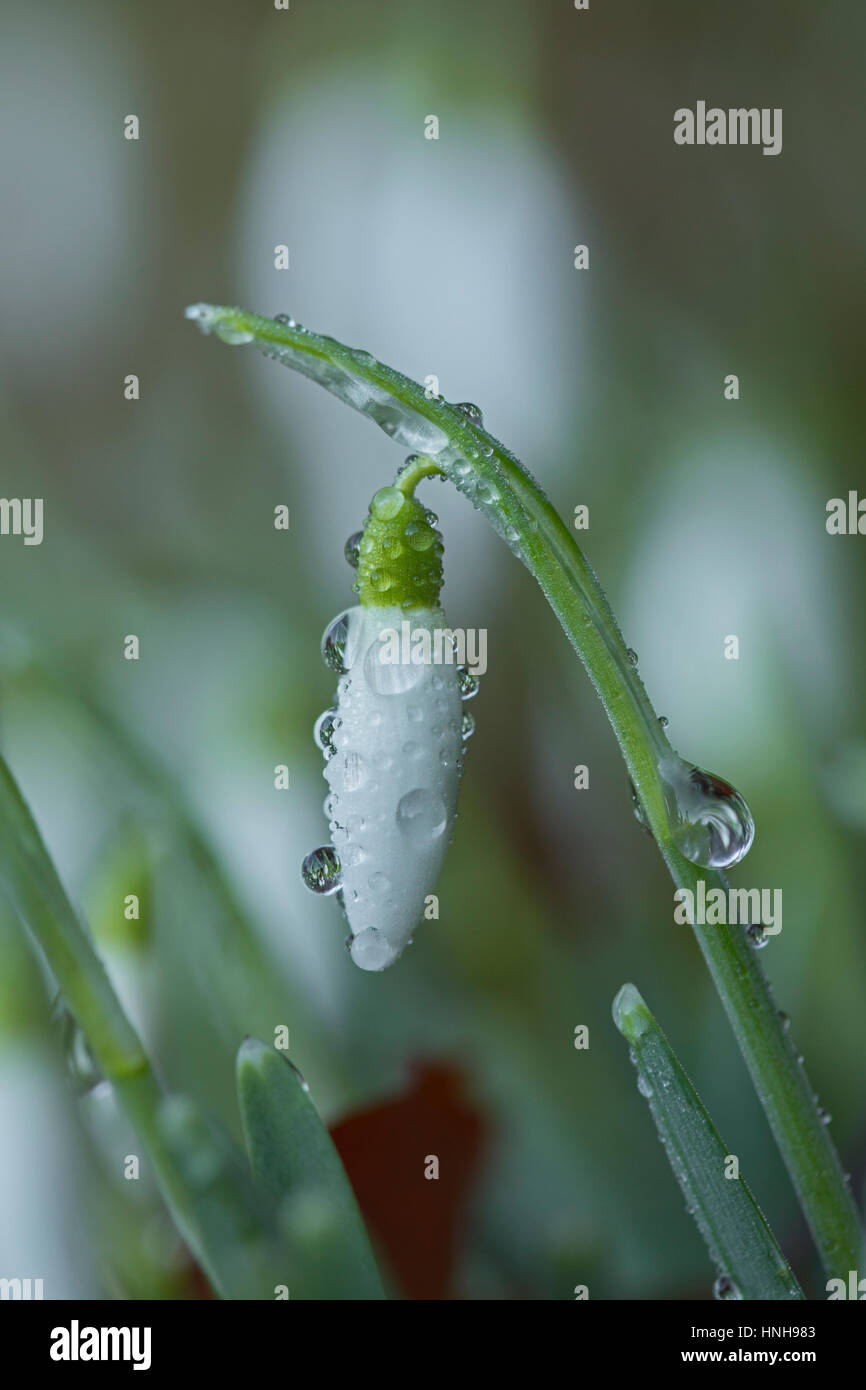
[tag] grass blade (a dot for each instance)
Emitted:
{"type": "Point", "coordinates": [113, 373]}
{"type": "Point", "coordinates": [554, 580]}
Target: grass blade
{"type": "Point", "coordinates": [741, 1245]}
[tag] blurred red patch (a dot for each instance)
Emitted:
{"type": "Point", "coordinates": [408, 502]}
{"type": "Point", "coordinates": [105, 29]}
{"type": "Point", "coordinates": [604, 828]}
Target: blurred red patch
{"type": "Point", "coordinates": [388, 1149]}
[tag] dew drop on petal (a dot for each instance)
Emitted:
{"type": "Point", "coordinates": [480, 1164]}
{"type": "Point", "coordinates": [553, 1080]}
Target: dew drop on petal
{"type": "Point", "coordinates": [421, 815]}
{"type": "Point", "coordinates": [467, 682]}
{"type": "Point", "coordinates": [379, 884]}
{"type": "Point", "coordinates": [370, 950]}
{"type": "Point", "coordinates": [321, 871]}
{"type": "Point", "coordinates": [323, 731]}
{"type": "Point", "coordinates": [334, 640]}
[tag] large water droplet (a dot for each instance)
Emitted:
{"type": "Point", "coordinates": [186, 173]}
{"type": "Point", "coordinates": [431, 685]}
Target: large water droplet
{"type": "Point", "coordinates": [389, 677]}
{"type": "Point", "coordinates": [334, 640]}
{"type": "Point", "coordinates": [387, 503]}
{"type": "Point", "coordinates": [352, 549]}
{"type": "Point", "coordinates": [323, 731]}
{"type": "Point", "coordinates": [286, 319]}
{"type": "Point", "coordinates": [421, 815]}
{"type": "Point", "coordinates": [632, 656]}
{"type": "Point", "coordinates": [724, 1289]}
{"type": "Point", "coordinates": [709, 820]}
{"type": "Point", "coordinates": [321, 870]}
{"type": "Point", "coordinates": [83, 1069]}
{"type": "Point", "coordinates": [370, 950]}
{"type": "Point", "coordinates": [471, 411]}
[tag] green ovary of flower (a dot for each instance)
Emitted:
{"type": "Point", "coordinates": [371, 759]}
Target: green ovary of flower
{"type": "Point", "coordinates": [400, 553]}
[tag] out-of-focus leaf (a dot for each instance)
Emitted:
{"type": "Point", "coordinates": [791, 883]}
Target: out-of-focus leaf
{"type": "Point", "coordinates": [296, 1166]}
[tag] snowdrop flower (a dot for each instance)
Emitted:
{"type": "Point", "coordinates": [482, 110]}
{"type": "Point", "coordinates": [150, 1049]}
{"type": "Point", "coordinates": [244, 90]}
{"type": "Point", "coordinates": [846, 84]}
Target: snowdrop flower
{"type": "Point", "coordinates": [393, 742]}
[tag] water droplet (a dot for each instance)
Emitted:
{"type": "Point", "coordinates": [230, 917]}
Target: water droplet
{"type": "Point", "coordinates": [758, 938]}
{"type": "Point", "coordinates": [370, 950]}
{"type": "Point", "coordinates": [644, 1086]}
{"type": "Point", "coordinates": [824, 1115]}
{"type": "Point", "coordinates": [355, 771]}
{"type": "Point", "coordinates": [419, 537]}
{"type": "Point", "coordinates": [783, 1019]}
{"type": "Point", "coordinates": [632, 656]}
{"type": "Point", "coordinates": [664, 721]}
{"type": "Point", "coordinates": [724, 1289]}
{"type": "Point", "coordinates": [233, 336]}
{"type": "Point", "coordinates": [472, 412]}
{"type": "Point", "coordinates": [467, 683]}
{"type": "Point", "coordinates": [83, 1069]}
{"type": "Point", "coordinates": [387, 677]}
{"type": "Point", "coordinates": [387, 502]}
{"type": "Point", "coordinates": [286, 319]}
{"type": "Point", "coordinates": [323, 731]}
{"type": "Point", "coordinates": [334, 640]}
{"type": "Point", "coordinates": [321, 870]}
{"type": "Point", "coordinates": [379, 885]}
{"type": "Point", "coordinates": [709, 820]}
{"type": "Point", "coordinates": [421, 815]}
{"type": "Point", "coordinates": [467, 726]}
{"type": "Point", "coordinates": [637, 808]}
{"type": "Point", "coordinates": [352, 549]}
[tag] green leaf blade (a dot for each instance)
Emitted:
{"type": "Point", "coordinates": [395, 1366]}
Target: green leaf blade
{"type": "Point", "coordinates": [739, 1240]}
{"type": "Point", "coordinates": [297, 1167]}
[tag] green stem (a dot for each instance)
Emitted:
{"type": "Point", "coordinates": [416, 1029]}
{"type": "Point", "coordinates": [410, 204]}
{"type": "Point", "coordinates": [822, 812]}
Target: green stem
{"type": "Point", "coordinates": [501, 487]}
{"type": "Point", "coordinates": [415, 469]}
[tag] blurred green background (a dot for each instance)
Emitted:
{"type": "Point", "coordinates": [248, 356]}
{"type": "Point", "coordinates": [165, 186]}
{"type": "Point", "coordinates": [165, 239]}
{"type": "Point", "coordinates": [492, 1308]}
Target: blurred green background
{"type": "Point", "coordinates": [455, 258]}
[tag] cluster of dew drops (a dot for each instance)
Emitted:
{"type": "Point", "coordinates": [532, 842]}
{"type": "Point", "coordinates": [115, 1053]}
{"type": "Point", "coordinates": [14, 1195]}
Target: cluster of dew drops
{"type": "Point", "coordinates": [321, 870]}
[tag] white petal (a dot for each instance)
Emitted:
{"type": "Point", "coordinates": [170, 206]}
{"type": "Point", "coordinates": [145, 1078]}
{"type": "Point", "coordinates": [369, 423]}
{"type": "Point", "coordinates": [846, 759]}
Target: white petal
{"type": "Point", "coordinates": [394, 778]}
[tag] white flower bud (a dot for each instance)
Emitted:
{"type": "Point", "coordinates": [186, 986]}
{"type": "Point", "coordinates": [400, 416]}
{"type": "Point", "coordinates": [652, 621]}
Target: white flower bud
{"type": "Point", "coordinates": [394, 772]}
